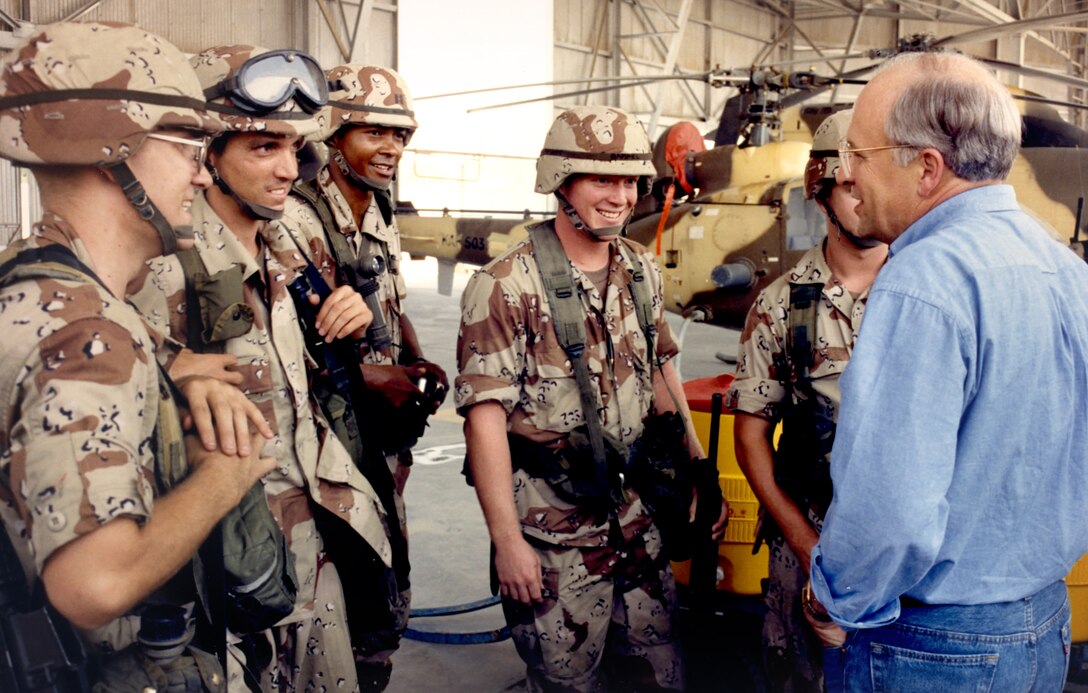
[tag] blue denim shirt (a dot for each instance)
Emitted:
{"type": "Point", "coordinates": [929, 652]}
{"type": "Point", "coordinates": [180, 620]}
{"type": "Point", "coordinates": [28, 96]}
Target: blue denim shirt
{"type": "Point", "coordinates": [961, 457]}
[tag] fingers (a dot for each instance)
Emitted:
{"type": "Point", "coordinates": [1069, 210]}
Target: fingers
{"type": "Point", "coordinates": [718, 530]}
{"type": "Point", "coordinates": [200, 417]}
{"type": "Point", "coordinates": [223, 417]}
{"type": "Point", "coordinates": [342, 313]}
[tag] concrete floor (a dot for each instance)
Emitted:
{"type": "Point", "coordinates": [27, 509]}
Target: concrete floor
{"type": "Point", "coordinates": [448, 539]}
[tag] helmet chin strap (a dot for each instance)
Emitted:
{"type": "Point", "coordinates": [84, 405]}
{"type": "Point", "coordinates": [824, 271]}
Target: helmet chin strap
{"type": "Point", "coordinates": [250, 209]}
{"type": "Point", "coordinates": [591, 233]}
{"type": "Point", "coordinates": [856, 241]}
{"type": "Point", "coordinates": [356, 177]}
{"type": "Point", "coordinates": [137, 197]}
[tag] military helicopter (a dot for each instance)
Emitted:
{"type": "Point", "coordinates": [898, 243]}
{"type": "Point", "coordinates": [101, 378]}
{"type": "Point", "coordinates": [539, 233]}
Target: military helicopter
{"type": "Point", "coordinates": [740, 218]}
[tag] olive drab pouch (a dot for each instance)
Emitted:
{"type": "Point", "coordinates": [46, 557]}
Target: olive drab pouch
{"type": "Point", "coordinates": [215, 304]}
{"type": "Point", "coordinates": [258, 567]}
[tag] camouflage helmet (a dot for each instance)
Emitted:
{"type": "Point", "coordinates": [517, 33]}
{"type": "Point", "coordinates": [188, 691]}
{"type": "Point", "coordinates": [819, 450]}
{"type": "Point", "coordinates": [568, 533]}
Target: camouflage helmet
{"type": "Point", "coordinates": [293, 76]}
{"type": "Point", "coordinates": [89, 94]}
{"type": "Point", "coordinates": [367, 95]}
{"type": "Point", "coordinates": [823, 162]}
{"type": "Point", "coordinates": [595, 140]}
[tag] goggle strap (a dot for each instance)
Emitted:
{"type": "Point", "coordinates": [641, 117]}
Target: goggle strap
{"type": "Point", "coordinates": [272, 115]}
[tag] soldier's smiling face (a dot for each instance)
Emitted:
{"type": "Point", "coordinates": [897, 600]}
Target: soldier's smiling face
{"type": "Point", "coordinates": [602, 200]}
{"type": "Point", "coordinates": [172, 177]}
{"type": "Point", "coordinates": [372, 150]}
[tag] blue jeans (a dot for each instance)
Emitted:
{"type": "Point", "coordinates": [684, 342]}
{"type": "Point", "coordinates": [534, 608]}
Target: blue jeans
{"type": "Point", "coordinates": [1009, 646]}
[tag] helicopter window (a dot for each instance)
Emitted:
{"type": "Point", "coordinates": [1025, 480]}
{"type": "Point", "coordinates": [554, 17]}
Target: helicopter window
{"type": "Point", "coordinates": [805, 222]}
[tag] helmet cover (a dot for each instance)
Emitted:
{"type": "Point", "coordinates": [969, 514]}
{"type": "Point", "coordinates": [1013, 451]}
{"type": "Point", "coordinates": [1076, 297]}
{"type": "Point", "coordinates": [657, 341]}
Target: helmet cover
{"type": "Point", "coordinates": [594, 140]}
{"type": "Point", "coordinates": [823, 162]}
{"type": "Point", "coordinates": [367, 95]}
{"type": "Point", "coordinates": [218, 63]}
{"type": "Point", "coordinates": [89, 93]}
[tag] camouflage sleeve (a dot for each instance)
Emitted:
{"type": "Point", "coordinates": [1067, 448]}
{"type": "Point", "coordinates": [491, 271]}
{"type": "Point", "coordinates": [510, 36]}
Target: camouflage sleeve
{"type": "Point", "coordinates": [756, 390]}
{"type": "Point", "coordinates": [666, 346]}
{"type": "Point", "coordinates": [490, 345]}
{"type": "Point", "coordinates": [80, 441]}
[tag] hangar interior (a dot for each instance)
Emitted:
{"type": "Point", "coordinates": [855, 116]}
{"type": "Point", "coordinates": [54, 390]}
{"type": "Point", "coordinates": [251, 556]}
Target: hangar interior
{"type": "Point", "coordinates": [666, 60]}
{"type": "Point", "coordinates": [468, 61]}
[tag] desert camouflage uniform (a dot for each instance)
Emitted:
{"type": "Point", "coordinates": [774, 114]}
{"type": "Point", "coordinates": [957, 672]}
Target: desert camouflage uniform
{"type": "Point", "coordinates": [303, 222]}
{"type": "Point", "coordinates": [312, 647]}
{"type": "Point", "coordinates": [80, 394]}
{"type": "Point", "coordinates": [792, 653]}
{"type": "Point", "coordinates": [608, 588]}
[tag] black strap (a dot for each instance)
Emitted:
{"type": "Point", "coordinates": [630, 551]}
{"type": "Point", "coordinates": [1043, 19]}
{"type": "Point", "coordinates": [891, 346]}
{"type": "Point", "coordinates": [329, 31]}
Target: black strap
{"type": "Point", "coordinates": [53, 253]}
{"type": "Point", "coordinates": [804, 300]}
{"type": "Point", "coordinates": [569, 320]}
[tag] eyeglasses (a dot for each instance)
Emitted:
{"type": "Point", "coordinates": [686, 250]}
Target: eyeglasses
{"type": "Point", "coordinates": [201, 145]}
{"type": "Point", "coordinates": [267, 81]}
{"type": "Point", "coordinates": [848, 153]}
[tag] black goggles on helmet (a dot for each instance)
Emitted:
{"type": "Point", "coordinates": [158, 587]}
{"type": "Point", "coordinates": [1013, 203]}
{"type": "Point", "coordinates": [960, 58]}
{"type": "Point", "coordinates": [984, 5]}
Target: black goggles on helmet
{"type": "Point", "coordinates": [267, 81]}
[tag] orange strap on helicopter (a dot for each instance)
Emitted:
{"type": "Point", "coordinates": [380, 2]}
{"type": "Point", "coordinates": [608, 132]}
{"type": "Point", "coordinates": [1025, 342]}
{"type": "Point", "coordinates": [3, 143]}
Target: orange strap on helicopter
{"type": "Point", "coordinates": [680, 140]}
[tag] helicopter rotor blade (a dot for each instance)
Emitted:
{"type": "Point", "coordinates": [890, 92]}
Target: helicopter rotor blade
{"type": "Point", "coordinates": [999, 30]}
{"type": "Point", "coordinates": [696, 76]}
{"type": "Point", "coordinates": [552, 97]}
{"type": "Point", "coordinates": [1033, 72]}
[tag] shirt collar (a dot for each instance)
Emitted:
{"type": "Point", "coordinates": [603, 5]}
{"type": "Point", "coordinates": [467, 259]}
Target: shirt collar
{"type": "Point", "coordinates": [980, 200]}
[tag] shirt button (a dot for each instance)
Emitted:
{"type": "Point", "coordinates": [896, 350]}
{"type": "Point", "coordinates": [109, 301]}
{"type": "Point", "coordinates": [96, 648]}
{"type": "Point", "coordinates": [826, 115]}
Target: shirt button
{"type": "Point", "coordinates": [56, 521]}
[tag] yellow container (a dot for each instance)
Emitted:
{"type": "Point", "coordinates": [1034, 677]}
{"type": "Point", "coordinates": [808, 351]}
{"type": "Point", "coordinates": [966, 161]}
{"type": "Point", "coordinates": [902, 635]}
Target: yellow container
{"type": "Point", "coordinates": [1077, 580]}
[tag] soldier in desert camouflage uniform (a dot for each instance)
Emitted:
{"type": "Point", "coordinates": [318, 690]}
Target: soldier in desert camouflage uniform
{"type": "Point", "coordinates": [254, 164]}
{"type": "Point", "coordinates": [579, 590]}
{"type": "Point", "coordinates": [346, 214]}
{"type": "Point", "coordinates": [843, 266]}
{"type": "Point", "coordinates": [90, 430]}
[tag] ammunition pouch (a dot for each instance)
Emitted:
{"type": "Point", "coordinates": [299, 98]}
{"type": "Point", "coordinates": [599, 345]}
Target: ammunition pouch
{"type": "Point", "coordinates": [571, 471]}
{"type": "Point", "coordinates": [661, 472]}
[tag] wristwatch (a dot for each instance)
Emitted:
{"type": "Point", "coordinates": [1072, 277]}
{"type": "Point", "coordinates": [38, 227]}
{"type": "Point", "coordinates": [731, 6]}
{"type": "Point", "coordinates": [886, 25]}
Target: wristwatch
{"type": "Point", "coordinates": [812, 606]}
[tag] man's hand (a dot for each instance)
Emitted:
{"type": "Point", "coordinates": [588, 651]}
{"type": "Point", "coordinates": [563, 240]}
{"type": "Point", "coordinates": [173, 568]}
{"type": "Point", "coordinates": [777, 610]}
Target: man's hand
{"type": "Point", "coordinates": [188, 364]}
{"type": "Point", "coordinates": [518, 568]}
{"type": "Point", "coordinates": [420, 369]}
{"type": "Point", "coordinates": [222, 416]}
{"type": "Point", "coordinates": [397, 384]}
{"type": "Point", "coordinates": [717, 530]}
{"type": "Point", "coordinates": [829, 632]}
{"type": "Point", "coordinates": [343, 313]}
{"type": "Point", "coordinates": [235, 474]}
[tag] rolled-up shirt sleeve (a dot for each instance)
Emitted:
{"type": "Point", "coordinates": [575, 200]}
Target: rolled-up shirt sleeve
{"type": "Point", "coordinates": [893, 460]}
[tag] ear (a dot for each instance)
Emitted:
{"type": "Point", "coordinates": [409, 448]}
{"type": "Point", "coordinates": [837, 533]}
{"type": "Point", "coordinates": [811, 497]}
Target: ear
{"type": "Point", "coordinates": [932, 171]}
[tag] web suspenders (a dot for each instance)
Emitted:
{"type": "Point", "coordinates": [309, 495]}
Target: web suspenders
{"type": "Point", "coordinates": [570, 328]}
{"type": "Point", "coordinates": [804, 299]}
